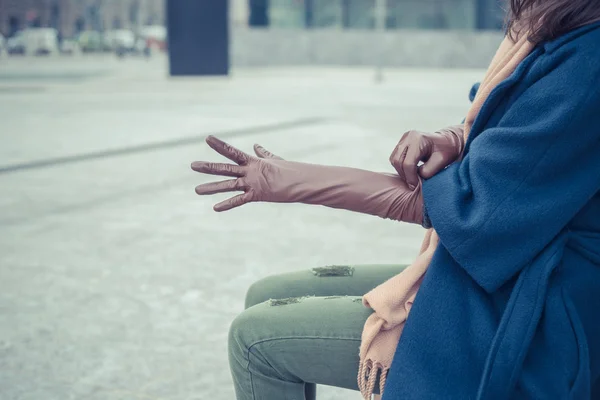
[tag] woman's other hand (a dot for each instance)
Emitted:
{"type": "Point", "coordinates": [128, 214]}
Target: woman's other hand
{"type": "Point", "coordinates": [436, 150]}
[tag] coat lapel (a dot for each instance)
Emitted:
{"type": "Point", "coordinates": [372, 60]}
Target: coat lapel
{"type": "Point", "coordinates": [489, 106]}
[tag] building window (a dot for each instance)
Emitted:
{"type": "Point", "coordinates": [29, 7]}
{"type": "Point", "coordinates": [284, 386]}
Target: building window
{"type": "Point", "coordinates": [95, 18]}
{"type": "Point", "coordinates": [431, 14]}
{"type": "Point", "coordinates": [36, 22]}
{"type": "Point", "coordinates": [327, 14]}
{"type": "Point", "coordinates": [287, 13]}
{"type": "Point", "coordinates": [259, 13]}
{"type": "Point", "coordinates": [55, 16]}
{"type": "Point", "coordinates": [14, 24]}
{"type": "Point", "coordinates": [152, 20]}
{"type": "Point", "coordinates": [134, 12]}
{"type": "Point", "coordinates": [79, 25]}
{"type": "Point", "coordinates": [359, 14]}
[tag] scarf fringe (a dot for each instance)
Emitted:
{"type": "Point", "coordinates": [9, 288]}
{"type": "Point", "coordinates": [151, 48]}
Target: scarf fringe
{"type": "Point", "coordinates": [367, 377]}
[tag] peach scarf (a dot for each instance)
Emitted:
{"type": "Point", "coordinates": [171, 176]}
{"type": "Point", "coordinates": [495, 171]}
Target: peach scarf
{"type": "Point", "coordinates": [392, 300]}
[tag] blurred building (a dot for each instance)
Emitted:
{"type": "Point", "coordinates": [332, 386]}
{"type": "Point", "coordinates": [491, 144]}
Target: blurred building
{"type": "Point", "coordinates": [73, 16]}
{"type": "Point", "coordinates": [360, 14]}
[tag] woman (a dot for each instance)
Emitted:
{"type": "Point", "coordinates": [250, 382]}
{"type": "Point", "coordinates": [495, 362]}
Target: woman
{"type": "Point", "coordinates": [503, 297]}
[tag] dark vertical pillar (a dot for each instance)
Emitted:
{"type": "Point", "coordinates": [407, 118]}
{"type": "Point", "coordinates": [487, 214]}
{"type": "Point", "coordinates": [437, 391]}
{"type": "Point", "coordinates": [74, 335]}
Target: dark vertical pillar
{"type": "Point", "coordinates": [309, 13]}
{"type": "Point", "coordinates": [480, 14]}
{"type": "Point", "coordinates": [346, 13]}
{"type": "Point", "coordinates": [259, 13]}
{"type": "Point", "coordinates": [198, 37]}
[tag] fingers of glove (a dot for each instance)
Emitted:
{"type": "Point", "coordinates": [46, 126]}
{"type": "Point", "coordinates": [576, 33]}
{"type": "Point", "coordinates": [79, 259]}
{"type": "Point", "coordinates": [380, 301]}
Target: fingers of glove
{"type": "Point", "coordinates": [218, 168]}
{"type": "Point", "coordinates": [233, 202]}
{"type": "Point", "coordinates": [230, 185]}
{"type": "Point", "coordinates": [435, 164]}
{"type": "Point", "coordinates": [397, 160]}
{"type": "Point", "coordinates": [397, 154]}
{"type": "Point", "coordinates": [227, 150]}
{"type": "Point", "coordinates": [264, 153]}
{"type": "Point", "coordinates": [409, 166]}
{"type": "Point", "coordinates": [394, 154]}
{"type": "Point", "coordinates": [399, 147]}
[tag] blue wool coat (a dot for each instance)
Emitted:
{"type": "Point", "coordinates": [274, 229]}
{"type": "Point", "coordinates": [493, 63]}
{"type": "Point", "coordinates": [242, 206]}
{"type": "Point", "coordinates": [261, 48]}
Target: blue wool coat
{"type": "Point", "coordinates": [510, 305]}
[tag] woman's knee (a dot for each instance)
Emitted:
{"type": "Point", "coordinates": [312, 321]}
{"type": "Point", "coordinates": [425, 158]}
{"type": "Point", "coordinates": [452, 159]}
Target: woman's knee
{"type": "Point", "coordinates": [258, 292]}
{"type": "Point", "coordinates": [245, 330]}
{"type": "Point", "coordinates": [248, 328]}
{"type": "Point", "coordinates": [238, 337]}
{"type": "Point", "coordinates": [271, 287]}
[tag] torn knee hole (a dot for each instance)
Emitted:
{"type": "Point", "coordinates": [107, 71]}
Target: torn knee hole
{"type": "Point", "coordinates": [333, 270]}
{"type": "Point", "coordinates": [286, 301]}
{"type": "Point", "coordinates": [333, 297]}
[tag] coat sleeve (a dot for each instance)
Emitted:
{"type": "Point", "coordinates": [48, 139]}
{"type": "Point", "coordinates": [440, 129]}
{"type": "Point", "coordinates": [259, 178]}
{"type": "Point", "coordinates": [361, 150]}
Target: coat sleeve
{"type": "Point", "coordinates": [523, 180]}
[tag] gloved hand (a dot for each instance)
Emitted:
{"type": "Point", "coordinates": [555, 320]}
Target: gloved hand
{"type": "Point", "coordinates": [268, 178]}
{"type": "Point", "coordinates": [437, 151]}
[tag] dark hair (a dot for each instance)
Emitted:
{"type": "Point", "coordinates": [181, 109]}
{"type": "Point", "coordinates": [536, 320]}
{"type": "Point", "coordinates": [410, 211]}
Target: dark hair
{"type": "Point", "coordinates": [549, 19]}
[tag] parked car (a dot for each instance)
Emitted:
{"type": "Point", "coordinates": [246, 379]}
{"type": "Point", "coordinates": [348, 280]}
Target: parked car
{"type": "Point", "coordinates": [16, 44]}
{"type": "Point", "coordinates": [42, 41]}
{"type": "Point", "coordinates": [34, 41]}
{"type": "Point", "coordinates": [155, 37]}
{"type": "Point", "coordinates": [69, 47]}
{"type": "Point", "coordinates": [91, 41]}
{"type": "Point", "coordinates": [120, 40]}
{"type": "Point", "coordinates": [124, 42]}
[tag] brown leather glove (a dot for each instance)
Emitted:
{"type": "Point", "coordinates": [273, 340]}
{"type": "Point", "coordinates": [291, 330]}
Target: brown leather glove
{"type": "Point", "coordinates": [268, 178]}
{"type": "Point", "coordinates": [437, 151]}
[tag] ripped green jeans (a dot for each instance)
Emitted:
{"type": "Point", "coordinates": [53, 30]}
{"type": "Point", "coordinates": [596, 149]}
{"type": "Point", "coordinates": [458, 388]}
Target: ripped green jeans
{"type": "Point", "coordinates": [301, 329]}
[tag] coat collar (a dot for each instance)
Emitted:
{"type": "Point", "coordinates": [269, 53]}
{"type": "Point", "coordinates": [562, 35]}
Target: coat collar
{"type": "Point", "coordinates": [552, 45]}
{"type": "Point", "coordinates": [497, 93]}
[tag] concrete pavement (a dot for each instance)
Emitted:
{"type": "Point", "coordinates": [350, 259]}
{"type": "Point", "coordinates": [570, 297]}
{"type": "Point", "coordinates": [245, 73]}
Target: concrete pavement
{"type": "Point", "coordinates": [116, 280]}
